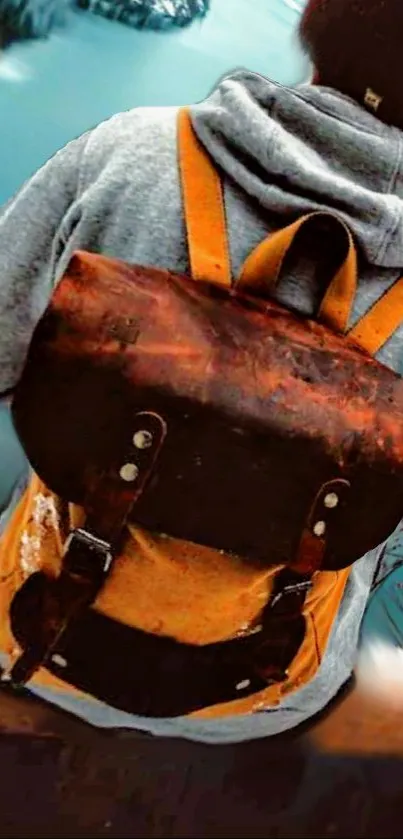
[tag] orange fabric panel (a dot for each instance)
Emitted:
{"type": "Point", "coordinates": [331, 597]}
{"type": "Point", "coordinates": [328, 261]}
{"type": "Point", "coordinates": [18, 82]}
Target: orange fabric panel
{"type": "Point", "coordinates": [163, 586]}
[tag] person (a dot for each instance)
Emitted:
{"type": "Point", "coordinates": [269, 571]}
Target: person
{"type": "Point", "coordinates": [281, 152]}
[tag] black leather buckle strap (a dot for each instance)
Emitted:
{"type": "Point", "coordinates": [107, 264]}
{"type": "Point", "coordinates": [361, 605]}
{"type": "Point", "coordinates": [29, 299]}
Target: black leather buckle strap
{"type": "Point", "coordinates": [323, 519]}
{"type": "Point", "coordinates": [90, 551]}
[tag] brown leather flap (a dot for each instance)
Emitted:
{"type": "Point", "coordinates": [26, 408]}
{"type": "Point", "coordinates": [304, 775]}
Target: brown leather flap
{"type": "Point", "coordinates": [262, 409]}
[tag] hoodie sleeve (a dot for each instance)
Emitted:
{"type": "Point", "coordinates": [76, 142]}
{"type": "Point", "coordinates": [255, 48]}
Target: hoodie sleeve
{"type": "Point", "coordinates": [33, 230]}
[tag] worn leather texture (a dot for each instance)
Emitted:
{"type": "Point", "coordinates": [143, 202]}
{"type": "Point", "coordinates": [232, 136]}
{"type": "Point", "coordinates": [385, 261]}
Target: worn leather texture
{"type": "Point", "coordinates": [262, 408]}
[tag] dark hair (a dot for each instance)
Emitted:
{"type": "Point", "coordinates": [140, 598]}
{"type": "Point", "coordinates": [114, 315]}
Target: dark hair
{"type": "Point", "coordinates": [356, 48]}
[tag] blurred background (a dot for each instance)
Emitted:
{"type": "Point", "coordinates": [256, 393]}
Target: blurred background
{"type": "Point", "coordinates": [53, 89]}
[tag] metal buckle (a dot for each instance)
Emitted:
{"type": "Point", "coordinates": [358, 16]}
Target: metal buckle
{"type": "Point", "coordinates": [87, 559]}
{"type": "Point", "coordinates": [85, 554]}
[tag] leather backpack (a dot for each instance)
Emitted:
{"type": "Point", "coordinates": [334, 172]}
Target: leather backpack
{"type": "Point", "coordinates": [197, 407]}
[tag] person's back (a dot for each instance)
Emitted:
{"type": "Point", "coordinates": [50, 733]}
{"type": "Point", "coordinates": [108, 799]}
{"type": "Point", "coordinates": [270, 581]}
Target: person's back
{"type": "Point", "coordinates": [281, 153]}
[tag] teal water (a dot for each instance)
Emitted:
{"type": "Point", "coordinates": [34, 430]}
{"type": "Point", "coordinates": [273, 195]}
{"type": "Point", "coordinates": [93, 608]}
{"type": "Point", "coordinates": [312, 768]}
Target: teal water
{"type": "Point", "coordinates": [52, 91]}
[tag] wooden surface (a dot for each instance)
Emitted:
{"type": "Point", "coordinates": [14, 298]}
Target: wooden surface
{"type": "Point", "coordinates": [342, 777]}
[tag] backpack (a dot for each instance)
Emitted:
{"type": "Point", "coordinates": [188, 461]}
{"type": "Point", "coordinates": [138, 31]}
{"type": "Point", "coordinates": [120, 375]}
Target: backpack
{"type": "Point", "coordinates": [208, 466]}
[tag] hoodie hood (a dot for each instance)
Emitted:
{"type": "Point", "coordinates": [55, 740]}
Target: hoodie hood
{"type": "Point", "coordinates": [297, 150]}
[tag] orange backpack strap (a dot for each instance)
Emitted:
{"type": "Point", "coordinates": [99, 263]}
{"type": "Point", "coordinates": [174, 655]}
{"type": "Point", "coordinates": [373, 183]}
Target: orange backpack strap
{"type": "Point", "coordinates": [382, 320]}
{"type": "Point", "coordinates": [209, 251]}
{"type": "Point", "coordinates": [208, 242]}
{"type": "Point", "coordinates": [261, 270]}
{"type": "Point", "coordinates": [204, 211]}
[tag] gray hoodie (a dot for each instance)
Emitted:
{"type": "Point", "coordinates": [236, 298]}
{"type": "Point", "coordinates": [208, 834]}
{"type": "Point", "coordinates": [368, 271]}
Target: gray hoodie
{"type": "Point", "coordinates": [282, 152]}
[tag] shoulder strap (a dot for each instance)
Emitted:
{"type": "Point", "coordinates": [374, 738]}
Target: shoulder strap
{"type": "Point", "coordinates": [203, 208]}
{"type": "Point", "coordinates": [382, 320]}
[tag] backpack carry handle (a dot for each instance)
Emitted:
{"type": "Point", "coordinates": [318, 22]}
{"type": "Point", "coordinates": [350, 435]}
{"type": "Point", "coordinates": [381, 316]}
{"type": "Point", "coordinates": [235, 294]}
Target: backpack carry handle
{"type": "Point", "coordinates": [209, 258]}
{"type": "Point", "coordinates": [204, 212]}
{"type": "Point", "coordinates": [262, 270]}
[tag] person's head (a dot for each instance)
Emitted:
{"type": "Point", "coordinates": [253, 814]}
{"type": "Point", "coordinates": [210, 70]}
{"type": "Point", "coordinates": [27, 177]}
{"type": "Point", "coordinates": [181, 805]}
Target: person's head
{"type": "Point", "coordinates": [356, 47]}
